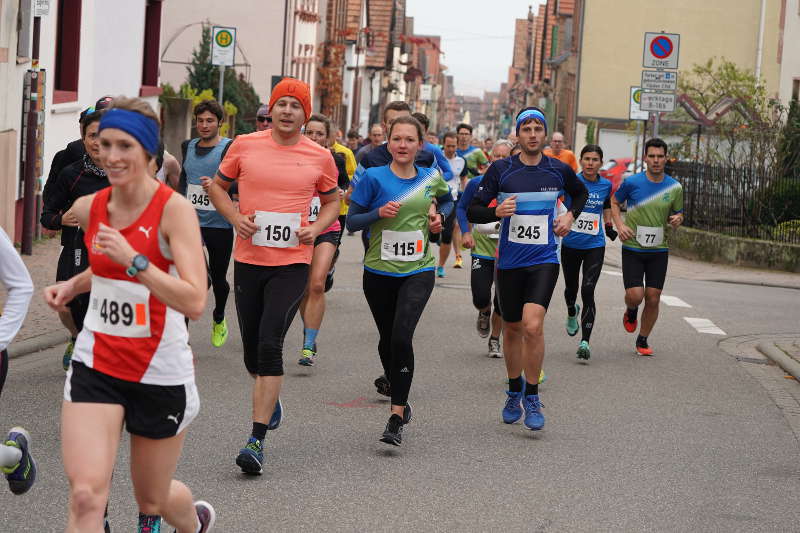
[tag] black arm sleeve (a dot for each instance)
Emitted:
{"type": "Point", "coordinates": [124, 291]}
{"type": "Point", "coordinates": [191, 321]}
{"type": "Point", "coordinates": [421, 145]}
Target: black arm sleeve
{"type": "Point", "coordinates": [478, 213]}
{"type": "Point", "coordinates": [607, 203]}
{"type": "Point", "coordinates": [57, 200]}
{"type": "Point", "coordinates": [182, 178]}
{"type": "Point", "coordinates": [576, 190]}
{"type": "Point", "coordinates": [343, 180]}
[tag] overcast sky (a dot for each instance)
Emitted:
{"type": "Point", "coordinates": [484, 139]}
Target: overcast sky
{"type": "Point", "coordinates": [477, 37]}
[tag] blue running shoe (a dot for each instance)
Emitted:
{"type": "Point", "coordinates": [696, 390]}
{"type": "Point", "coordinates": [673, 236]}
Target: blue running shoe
{"type": "Point", "coordinates": [22, 476]}
{"type": "Point", "coordinates": [277, 416]}
{"type": "Point", "coordinates": [534, 419]}
{"type": "Point", "coordinates": [439, 271]}
{"type": "Point", "coordinates": [512, 410]}
{"type": "Point", "coordinates": [251, 457]}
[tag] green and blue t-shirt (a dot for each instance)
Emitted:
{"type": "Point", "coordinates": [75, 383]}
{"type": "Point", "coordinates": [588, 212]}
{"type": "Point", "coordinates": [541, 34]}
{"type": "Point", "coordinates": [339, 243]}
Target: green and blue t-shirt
{"type": "Point", "coordinates": [399, 246]}
{"type": "Point", "coordinates": [650, 204]}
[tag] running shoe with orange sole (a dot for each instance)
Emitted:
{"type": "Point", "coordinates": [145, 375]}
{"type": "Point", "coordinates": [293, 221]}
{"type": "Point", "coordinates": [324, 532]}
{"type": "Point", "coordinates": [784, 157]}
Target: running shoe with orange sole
{"type": "Point", "coordinates": [630, 326]}
{"type": "Point", "coordinates": [644, 350]}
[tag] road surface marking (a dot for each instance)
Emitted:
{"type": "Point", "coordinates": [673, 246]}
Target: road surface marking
{"type": "Point", "coordinates": [704, 325]}
{"type": "Point", "coordinates": [612, 273]}
{"type": "Point", "coordinates": [673, 301]}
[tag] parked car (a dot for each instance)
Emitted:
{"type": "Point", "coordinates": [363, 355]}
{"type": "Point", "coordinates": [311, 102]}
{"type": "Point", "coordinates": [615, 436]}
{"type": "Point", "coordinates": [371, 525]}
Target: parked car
{"type": "Point", "coordinates": [613, 170]}
{"type": "Point", "coordinates": [640, 166]}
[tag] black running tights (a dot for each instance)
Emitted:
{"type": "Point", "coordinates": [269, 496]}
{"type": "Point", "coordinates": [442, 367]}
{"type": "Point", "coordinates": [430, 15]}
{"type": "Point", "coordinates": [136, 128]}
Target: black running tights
{"type": "Point", "coordinates": [3, 369]}
{"type": "Point", "coordinates": [592, 261]}
{"type": "Point", "coordinates": [397, 304]}
{"type": "Point", "coordinates": [219, 243]}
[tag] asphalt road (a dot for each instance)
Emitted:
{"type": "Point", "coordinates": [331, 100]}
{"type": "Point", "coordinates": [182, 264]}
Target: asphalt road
{"type": "Point", "coordinates": [683, 441]}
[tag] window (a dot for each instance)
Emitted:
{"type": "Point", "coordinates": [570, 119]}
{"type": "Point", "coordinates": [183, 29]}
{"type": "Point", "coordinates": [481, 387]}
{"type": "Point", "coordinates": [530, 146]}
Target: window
{"type": "Point", "coordinates": [68, 48]}
{"type": "Point", "coordinates": [796, 89]}
{"type": "Point", "coordinates": [152, 33]}
{"type": "Point", "coordinates": [554, 42]}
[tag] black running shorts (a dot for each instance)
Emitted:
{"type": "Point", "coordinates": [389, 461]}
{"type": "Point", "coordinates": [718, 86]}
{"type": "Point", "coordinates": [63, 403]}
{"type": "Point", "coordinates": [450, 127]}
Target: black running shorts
{"type": "Point", "coordinates": [519, 286]}
{"type": "Point", "coordinates": [644, 269]}
{"type": "Point", "coordinates": [331, 237]}
{"type": "Point", "coordinates": [151, 411]}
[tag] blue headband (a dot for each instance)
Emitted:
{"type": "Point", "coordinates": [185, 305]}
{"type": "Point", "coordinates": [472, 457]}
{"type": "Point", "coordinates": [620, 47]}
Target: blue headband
{"type": "Point", "coordinates": [143, 129]}
{"type": "Point", "coordinates": [529, 114]}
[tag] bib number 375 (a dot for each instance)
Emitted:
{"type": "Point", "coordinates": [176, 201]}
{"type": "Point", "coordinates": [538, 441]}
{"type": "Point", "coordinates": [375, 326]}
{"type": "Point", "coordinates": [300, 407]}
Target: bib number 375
{"type": "Point", "coordinates": [528, 229]}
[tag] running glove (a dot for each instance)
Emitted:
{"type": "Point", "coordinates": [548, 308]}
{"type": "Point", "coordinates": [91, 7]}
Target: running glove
{"type": "Point", "coordinates": [610, 232]}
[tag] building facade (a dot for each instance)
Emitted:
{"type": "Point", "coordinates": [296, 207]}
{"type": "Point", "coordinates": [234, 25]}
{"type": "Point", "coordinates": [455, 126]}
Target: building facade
{"type": "Point", "coordinates": [87, 49]}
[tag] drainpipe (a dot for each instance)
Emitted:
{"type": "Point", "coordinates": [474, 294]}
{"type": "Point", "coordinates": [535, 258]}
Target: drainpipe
{"type": "Point", "coordinates": [285, 24]}
{"type": "Point", "coordinates": [760, 48]}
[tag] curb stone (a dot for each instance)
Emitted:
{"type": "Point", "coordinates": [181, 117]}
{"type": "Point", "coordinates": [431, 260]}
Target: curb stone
{"type": "Point", "coordinates": [771, 350]}
{"type": "Point", "coordinates": [38, 343]}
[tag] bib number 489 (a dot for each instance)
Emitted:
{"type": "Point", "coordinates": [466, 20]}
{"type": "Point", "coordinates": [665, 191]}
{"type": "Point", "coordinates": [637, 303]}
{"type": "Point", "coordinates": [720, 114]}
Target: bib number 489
{"type": "Point", "coordinates": [114, 313]}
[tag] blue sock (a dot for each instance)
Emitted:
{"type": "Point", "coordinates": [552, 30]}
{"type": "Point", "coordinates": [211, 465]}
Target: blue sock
{"type": "Point", "coordinates": [309, 338]}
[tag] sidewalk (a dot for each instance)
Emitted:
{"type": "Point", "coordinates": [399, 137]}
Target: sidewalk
{"type": "Point", "coordinates": [42, 328]}
{"type": "Point", "coordinates": [680, 267]}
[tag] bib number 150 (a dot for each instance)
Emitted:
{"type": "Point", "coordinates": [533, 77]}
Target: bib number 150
{"type": "Point", "coordinates": [278, 233]}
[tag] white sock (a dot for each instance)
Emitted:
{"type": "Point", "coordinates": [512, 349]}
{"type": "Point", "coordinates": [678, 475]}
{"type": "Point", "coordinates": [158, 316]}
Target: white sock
{"type": "Point", "coordinates": [9, 456]}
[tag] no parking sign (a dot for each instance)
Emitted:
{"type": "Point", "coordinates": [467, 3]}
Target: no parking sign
{"type": "Point", "coordinates": [661, 50]}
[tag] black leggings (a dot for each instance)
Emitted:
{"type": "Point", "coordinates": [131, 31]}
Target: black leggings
{"type": "Point", "coordinates": [481, 281]}
{"type": "Point", "coordinates": [397, 304]}
{"type": "Point", "coordinates": [592, 260]}
{"type": "Point", "coordinates": [219, 243]}
{"type": "Point", "coordinates": [3, 369]}
{"type": "Point", "coordinates": [267, 298]}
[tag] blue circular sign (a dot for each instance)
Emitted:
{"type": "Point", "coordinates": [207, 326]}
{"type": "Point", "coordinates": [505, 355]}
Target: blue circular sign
{"type": "Point", "coordinates": [661, 47]}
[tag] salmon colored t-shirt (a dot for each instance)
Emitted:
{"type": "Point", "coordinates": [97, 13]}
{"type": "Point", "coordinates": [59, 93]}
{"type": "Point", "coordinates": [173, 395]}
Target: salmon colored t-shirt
{"type": "Point", "coordinates": [277, 179]}
{"type": "Point", "coordinates": [565, 156]}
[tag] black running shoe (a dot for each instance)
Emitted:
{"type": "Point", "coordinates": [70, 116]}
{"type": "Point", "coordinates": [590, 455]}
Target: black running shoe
{"type": "Point", "coordinates": [407, 413]}
{"type": "Point", "coordinates": [393, 434]}
{"type": "Point", "coordinates": [383, 387]}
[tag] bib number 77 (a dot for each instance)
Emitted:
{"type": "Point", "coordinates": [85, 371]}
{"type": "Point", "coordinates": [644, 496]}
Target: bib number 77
{"type": "Point", "coordinates": [649, 236]}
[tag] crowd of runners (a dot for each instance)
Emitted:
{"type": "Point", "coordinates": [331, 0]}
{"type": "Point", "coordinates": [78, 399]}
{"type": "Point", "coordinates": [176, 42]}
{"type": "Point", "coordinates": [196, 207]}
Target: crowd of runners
{"type": "Point", "coordinates": [146, 236]}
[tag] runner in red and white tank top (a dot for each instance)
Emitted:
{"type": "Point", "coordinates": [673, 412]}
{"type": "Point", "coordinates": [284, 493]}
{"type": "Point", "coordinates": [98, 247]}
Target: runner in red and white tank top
{"type": "Point", "coordinates": [131, 335]}
{"type": "Point", "coordinates": [132, 364]}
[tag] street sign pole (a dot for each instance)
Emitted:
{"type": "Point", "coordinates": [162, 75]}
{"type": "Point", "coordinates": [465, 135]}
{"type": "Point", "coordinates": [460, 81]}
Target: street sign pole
{"type": "Point", "coordinates": [223, 53]}
{"type": "Point", "coordinates": [221, 83]}
{"type": "Point", "coordinates": [655, 124]}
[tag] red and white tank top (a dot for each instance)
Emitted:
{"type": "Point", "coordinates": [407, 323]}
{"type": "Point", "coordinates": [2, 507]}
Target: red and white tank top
{"type": "Point", "coordinates": [128, 333]}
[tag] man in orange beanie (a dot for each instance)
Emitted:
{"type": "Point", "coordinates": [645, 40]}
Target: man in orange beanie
{"type": "Point", "coordinates": [295, 88]}
{"type": "Point", "coordinates": [278, 172]}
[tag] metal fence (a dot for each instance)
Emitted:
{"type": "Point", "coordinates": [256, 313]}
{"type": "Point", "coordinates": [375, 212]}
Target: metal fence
{"type": "Point", "coordinates": [741, 202]}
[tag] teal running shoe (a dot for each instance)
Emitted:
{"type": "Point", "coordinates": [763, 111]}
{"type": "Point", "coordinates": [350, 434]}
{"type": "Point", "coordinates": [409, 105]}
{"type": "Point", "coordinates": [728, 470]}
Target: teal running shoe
{"type": "Point", "coordinates": [21, 476]}
{"type": "Point", "coordinates": [583, 351]}
{"type": "Point", "coordinates": [439, 271]}
{"type": "Point", "coordinates": [572, 322]}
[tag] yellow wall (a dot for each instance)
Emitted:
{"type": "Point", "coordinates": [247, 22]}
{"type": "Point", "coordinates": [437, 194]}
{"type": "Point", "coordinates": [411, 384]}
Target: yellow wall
{"type": "Point", "coordinates": [613, 38]}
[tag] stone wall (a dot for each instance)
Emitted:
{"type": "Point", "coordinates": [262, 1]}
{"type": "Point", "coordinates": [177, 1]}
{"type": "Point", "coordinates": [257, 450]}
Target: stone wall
{"type": "Point", "coordinates": [717, 248]}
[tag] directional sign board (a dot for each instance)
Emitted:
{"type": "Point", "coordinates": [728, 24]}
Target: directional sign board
{"type": "Point", "coordinates": [634, 110]}
{"type": "Point", "coordinates": [659, 80]}
{"type": "Point", "coordinates": [658, 102]}
{"type": "Point", "coordinates": [661, 50]}
{"type": "Point", "coordinates": [223, 46]}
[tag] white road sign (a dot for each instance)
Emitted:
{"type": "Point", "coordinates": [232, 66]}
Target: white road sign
{"type": "Point", "coordinates": [634, 110]}
{"type": "Point", "coordinates": [659, 80]}
{"type": "Point", "coordinates": [659, 102]}
{"type": "Point", "coordinates": [661, 50]}
{"type": "Point", "coordinates": [425, 92]}
{"type": "Point", "coordinates": [223, 46]}
{"type": "Point", "coordinates": [41, 8]}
